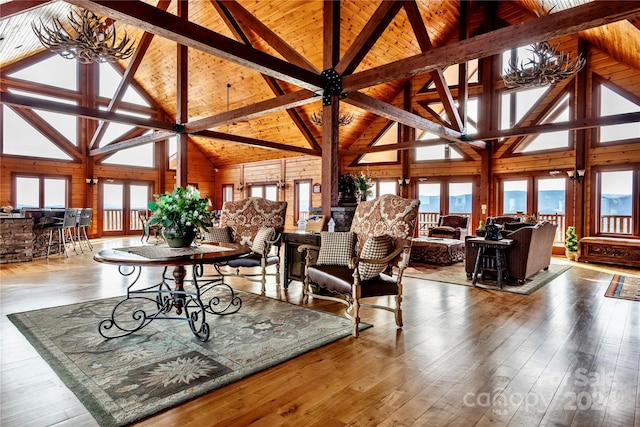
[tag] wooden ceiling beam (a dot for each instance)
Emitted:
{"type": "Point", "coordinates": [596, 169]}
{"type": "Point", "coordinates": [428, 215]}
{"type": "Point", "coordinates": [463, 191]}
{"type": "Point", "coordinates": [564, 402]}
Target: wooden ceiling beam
{"type": "Point", "coordinates": [181, 31]}
{"type": "Point", "coordinates": [371, 32]}
{"type": "Point", "coordinates": [241, 34]}
{"type": "Point", "coordinates": [17, 7]}
{"type": "Point", "coordinates": [127, 78]}
{"type": "Point", "coordinates": [586, 123]}
{"type": "Point", "coordinates": [408, 145]}
{"type": "Point", "coordinates": [555, 25]}
{"type": "Point", "coordinates": [420, 31]}
{"type": "Point", "coordinates": [399, 115]}
{"type": "Point", "coordinates": [247, 20]}
{"type": "Point", "coordinates": [89, 113]}
{"type": "Point", "coordinates": [283, 102]}
{"type": "Point", "coordinates": [256, 142]}
{"type": "Point", "coordinates": [130, 143]}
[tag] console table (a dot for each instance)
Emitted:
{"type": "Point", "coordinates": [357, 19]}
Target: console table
{"type": "Point", "coordinates": [294, 260]}
{"type": "Point", "coordinates": [491, 257]}
{"type": "Point", "coordinates": [145, 303]}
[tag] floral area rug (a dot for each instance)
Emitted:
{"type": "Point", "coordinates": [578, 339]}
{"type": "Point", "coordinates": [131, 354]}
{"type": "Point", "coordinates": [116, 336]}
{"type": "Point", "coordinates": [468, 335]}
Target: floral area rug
{"type": "Point", "coordinates": [125, 379]}
{"type": "Point", "coordinates": [456, 275]}
{"type": "Point", "coordinates": [624, 287]}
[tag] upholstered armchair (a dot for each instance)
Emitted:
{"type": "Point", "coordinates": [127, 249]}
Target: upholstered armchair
{"type": "Point", "coordinates": [366, 262]}
{"type": "Point", "coordinates": [451, 227]}
{"type": "Point", "coordinates": [256, 222]}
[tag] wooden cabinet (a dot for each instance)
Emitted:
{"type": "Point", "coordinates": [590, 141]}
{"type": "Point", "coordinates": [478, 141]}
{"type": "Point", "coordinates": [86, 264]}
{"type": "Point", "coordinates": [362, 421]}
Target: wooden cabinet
{"type": "Point", "coordinates": [294, 260]}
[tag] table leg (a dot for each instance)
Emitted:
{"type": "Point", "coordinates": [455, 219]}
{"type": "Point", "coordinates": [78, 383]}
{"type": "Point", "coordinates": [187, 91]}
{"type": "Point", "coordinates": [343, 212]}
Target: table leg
{"type": "Point", "coordinates": [499, 253]}
{"type": "Point", "coordinates": [179, 273]}
{"type": "Point", "coordinates": [477, 266]}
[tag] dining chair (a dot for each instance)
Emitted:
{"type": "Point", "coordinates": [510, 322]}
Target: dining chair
{"type": "Point", "coordinates": [65, 229]}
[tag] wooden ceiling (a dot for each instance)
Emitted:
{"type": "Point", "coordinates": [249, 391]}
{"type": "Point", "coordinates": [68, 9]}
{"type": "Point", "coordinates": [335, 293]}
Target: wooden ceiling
{"type": "Point", "coordinates": [254, 66]}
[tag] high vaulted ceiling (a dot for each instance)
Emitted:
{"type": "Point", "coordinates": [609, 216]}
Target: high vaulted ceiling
{"type": "Point", "coordinates": [254, 66]}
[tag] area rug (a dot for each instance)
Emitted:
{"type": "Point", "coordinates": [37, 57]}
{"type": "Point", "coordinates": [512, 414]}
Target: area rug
{"type": "Point", "coordinates": [624, 287]}
{"type": "Point", "coordinates": [125, 379]}
{"type": "Point", "coordinates": [456, 275]}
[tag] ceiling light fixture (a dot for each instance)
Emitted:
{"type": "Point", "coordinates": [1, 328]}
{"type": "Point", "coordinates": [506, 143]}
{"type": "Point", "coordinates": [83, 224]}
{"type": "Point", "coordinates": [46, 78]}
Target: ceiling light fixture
{"type": "Point", "coordinates": [93, 38]}
{"type": "Point", "coordinates": [344, 119]}
{"type": "Point", "coordinates": [545, 66]}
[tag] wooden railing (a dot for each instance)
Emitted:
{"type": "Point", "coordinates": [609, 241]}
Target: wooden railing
{"type": "Point", "coordinates": [560, 221]}
{"type": "Point", "coordinates": [427, 220]}
{"type": "Point", "coordinates": [616, 224]}
{"type": "Point", "coordinates": [112, 220]}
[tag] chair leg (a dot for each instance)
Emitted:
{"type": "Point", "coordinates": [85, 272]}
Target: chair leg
{"type": "Point", "coordinates": [355, 307]}
{"type": "Point", "coordinates": [86, 238]}
{"type": "Point", "coordinates": [263, 290]}
{"type": "Point", "coordinates": [76, 232]}
{"type": "Point", "coordinates": [398, 311]}
{"type": "Point", "coordinates": [62, 242]}
{"type": "Point", "coordinates": [50, 241]}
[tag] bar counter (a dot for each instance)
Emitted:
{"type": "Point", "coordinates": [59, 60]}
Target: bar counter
{"type": "Point", "coordinates": [25, 236]}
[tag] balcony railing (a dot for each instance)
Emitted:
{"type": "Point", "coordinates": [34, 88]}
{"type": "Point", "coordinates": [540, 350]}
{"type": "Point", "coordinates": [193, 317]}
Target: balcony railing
{"type": "Point", "coordinates": [560, 221]}
{"type": "Point", "coordinates": [112, 220]}
{"type": "Point", "coordinates": [616, 224]}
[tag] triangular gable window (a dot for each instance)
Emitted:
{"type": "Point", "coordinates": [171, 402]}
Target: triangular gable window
{"type": "Point", "coordinates": [110, 79]}
{"type": "Point", "coordinates": [55, 71]}
{"type": "Point", "coordinates": [612, 103]}
{"type": "Point", "coordinates": [550, 140]}
{"type": "Point", "coordinates": [390, 136]}
{"type": "Point", "coordinates": [436, 152]}
{"type": "Point", "coordinates": [141, 156]}
{"type": "Point", "coordinates": [523, 101]}
{"type": "Point", "coordinates": [65, 124]}
{"type": "Point", "coordinates": [22, 139]}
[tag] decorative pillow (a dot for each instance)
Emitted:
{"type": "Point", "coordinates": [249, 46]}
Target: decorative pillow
{"type": "Point", "coordinates": [336, 248]}
{"type": "Point", "coordinates": [262, 236]}
{"type": "Point", "coordinates": [216, 235]}
{"type": "Point", "coordinates": [444, 228]}
{"type": "Point", "coordinates": [376, 247]}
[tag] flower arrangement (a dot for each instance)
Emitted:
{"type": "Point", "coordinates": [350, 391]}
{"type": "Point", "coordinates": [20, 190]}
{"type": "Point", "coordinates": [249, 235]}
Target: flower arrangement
{"type": "Point", "coordinates": [363, 183]}
{"type": "Point", "coordinates": [183, 210]}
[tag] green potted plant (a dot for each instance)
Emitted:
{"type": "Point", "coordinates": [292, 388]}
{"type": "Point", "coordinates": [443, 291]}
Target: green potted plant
{"type": "Point", "coordinates": [363, 185]}
{"type": "Point", "coordinates": [180, 213]}
{"type": "Point", "coordinates": [571, 244]}
{"type": "Point", "coordinates": [347, 189]}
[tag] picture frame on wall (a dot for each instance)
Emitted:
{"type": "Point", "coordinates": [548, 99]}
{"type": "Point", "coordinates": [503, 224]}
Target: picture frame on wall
{"type": "Point", "coordinates": [316, 188]}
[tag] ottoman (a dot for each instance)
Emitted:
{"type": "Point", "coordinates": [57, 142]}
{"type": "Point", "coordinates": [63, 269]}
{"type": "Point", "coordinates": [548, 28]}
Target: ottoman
{"type": "Point", "coordinates": [437, 250]}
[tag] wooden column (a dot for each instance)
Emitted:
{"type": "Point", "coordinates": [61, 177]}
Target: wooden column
{"type": "Point", "coordinates": [182, 113]}
{"type": "Point", "coordinates": [580, 145]}
{"type": "Point", "coordinates": [330, 113]}
{"type": "Point", "coordinates": [463, 69]}
{"type": "Point", "coordinates": [406, 134]}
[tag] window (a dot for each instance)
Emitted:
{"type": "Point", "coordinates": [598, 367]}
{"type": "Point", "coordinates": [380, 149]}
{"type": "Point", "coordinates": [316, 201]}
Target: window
{"type": "Point", "coordinates": [612, 103]}
{"type": "Point", "coordinates": [227, 193]}
{"type": "Point", "coordinates": [302, 199]}
{"type": "Point", "coordinates": [616, 194]}
{"type": "Point", "coordinates": [389, 136]}
{"type": "Point", "coordinates": [514, 197]}
{"type": "Point", "coordinates": [550, 140]}
{"type": "Point", "coordinates": [383, 186]}
{"type": "Point", "coordinates": [460, 198]}
{"type": "Point", "coordinates": [266, 191]}
{"type": "Point", "coordinates": [40, 192]}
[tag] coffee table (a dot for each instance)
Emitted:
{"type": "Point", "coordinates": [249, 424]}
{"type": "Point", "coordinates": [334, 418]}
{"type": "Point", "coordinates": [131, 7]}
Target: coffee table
{"type": "Point", "coordinates": [189, 298]}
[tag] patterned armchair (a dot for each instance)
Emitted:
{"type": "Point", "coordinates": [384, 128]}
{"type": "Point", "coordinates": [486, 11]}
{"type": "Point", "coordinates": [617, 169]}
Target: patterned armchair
{"type": "Point", "coordinates": [256, 222]}
{"type": "Point", "coordinates": [366, 262]}
{"type": "Point", "coordinates": [451, 227]}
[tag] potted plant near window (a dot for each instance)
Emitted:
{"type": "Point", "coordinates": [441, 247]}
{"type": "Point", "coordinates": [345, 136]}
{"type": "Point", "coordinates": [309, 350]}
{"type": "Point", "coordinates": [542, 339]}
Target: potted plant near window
{"type": "Point", "coordinates": [571, 244]}
{"type": "Point", "coordinates": [347, 190]}
{"type": "Point", "coordinates": [363, 184]}
{"type": "Point", "coordinates": [180, 213]}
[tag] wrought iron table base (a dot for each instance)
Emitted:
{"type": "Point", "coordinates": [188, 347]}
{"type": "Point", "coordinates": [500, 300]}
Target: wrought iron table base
{"type": "Point", "coordinates": [131, 315]}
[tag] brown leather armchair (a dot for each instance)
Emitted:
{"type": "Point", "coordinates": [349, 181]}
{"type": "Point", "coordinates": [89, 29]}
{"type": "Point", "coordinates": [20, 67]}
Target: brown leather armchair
{"type": "Point", "coordinates": [451, 227]}
{"type": "Point", "coordinates": [530, 253]}
{"type": "Point", "coordinates": [366, 262]}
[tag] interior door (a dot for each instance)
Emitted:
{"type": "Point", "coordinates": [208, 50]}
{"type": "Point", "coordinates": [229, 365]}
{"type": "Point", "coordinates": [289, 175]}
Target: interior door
{"type": "Point", "coordinates": [122, 201]}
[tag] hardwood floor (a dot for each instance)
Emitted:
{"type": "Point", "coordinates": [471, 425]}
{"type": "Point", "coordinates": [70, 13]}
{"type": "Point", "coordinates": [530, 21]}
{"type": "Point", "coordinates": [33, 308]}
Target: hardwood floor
{"type": "Point", "coordinates": [565, 355]}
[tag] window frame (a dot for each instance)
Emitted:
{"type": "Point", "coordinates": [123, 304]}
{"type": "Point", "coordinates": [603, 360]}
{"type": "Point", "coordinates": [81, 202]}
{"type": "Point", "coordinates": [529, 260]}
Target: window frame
{"type": "Point", "coordinates": [598, 82]}
{"type": "Point", "coordinates": [41, 177]}
{"type": "Point", "coordinates": [296, 197]}
{"type": "Point", "coordinates": [635, 200]}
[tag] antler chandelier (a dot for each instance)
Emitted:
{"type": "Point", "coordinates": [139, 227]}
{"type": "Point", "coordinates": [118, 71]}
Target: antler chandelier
{"type": "Point", "coordinates": [93, 38]}
{"type": "Point", "coordinates": [343, 120]}
{"type": "Point", "coordinates": [546, 66]}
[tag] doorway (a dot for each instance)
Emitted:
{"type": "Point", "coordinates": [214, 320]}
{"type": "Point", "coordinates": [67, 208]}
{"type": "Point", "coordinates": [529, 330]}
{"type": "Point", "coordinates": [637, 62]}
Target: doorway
{"type": "Point", "coordinates": [121, 203]}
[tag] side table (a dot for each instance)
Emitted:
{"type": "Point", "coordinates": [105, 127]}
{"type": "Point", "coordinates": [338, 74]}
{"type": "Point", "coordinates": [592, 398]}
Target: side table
{"type": "Point", "coordinates": [294, 260]}
{"type": "Point", "coordinates": [491, 257]}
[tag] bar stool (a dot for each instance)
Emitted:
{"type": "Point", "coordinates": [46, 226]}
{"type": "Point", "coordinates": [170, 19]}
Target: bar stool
{"type": "Point", "coordinates": [84, 221]}
{"type": "Point", "coordinates": [65, 229]}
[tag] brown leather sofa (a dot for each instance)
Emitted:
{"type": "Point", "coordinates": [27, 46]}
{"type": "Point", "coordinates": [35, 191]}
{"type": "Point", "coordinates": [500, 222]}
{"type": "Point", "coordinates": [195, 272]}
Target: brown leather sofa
{"type": "Point", "coordinates": [530, 253]}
